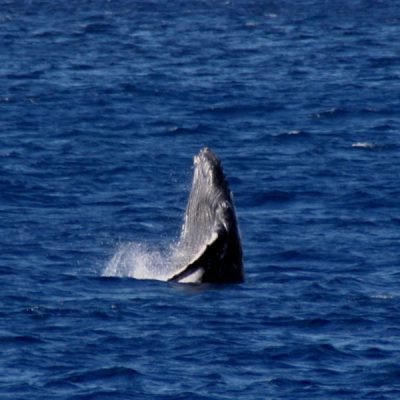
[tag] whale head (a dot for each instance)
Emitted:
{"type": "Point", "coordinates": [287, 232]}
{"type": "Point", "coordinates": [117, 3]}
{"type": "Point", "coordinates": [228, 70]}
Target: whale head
{"type": "Point", "coordinates": [209, 247]}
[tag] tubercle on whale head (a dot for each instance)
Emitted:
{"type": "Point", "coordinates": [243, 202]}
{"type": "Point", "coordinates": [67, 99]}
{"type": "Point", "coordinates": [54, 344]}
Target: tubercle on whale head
{"type": "Point", "coordinates": [207, 157]}
{"type": "Point", "coordinates": [208, 165]}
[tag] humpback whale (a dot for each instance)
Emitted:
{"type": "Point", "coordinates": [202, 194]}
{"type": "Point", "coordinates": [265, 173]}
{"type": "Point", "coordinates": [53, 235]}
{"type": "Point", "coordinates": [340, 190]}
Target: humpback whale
{"type": "Point", "coordinates": [209, 249]}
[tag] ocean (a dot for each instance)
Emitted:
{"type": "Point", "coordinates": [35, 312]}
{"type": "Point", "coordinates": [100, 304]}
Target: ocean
{"type": "Point", "coordinates": [103, 105]}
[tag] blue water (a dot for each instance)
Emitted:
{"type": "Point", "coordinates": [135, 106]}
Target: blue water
{"type": "Point", "coordinates": [103, 105]}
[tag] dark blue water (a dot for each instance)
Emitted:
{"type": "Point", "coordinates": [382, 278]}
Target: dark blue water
{"type": "Point", "coordinates": [103, 105]}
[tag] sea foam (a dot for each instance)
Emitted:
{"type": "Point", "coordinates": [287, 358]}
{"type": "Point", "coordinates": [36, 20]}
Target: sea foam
{"type": "Point", "coordinates": [136, 260]}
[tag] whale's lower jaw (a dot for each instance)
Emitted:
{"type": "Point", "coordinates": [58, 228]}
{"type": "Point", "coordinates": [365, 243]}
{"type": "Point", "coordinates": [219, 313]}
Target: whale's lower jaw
{"type": "Point", "coordinates": [210, 237]}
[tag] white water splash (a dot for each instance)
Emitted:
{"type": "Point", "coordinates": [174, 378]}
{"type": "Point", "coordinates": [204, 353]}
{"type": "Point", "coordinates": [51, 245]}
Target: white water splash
{"type": "Point", "coordinates": [135, 260]}
{"type": "Point", "coordinates": [364, 145]}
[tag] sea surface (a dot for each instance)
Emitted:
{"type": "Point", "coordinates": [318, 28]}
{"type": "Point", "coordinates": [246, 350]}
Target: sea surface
{"type": "Point", "coordinates": [103, 105]}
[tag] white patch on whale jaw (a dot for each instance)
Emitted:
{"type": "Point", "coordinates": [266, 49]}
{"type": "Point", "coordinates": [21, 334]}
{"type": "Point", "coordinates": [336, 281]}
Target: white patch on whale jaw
{"type": "Point", "coordinates": [194, 277]}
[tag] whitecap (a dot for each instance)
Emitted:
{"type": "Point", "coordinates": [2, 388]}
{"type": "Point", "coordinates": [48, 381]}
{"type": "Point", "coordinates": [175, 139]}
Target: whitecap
{"type": "Point", "coordinates": [364, 145]}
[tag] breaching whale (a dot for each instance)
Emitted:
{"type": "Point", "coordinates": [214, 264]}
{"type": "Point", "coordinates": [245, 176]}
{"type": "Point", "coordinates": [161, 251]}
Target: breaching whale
{"type": "Point", "coordinates": [209, 249]}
